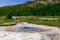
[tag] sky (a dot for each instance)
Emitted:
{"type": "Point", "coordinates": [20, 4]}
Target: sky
{"type": "Point", "coordinates": [11, 2]}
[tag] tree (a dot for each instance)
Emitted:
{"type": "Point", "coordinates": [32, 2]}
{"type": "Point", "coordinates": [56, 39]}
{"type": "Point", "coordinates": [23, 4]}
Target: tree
{"type": "Point", "coordinates": [9, 16]}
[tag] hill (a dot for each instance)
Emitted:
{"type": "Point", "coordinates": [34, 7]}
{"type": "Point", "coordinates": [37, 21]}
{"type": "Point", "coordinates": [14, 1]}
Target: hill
{"type": "Point", "coordinates": [31, 8]}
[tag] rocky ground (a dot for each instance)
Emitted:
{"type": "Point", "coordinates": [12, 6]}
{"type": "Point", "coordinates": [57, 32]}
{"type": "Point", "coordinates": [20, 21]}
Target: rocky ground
{"type": "Point", "coordinates": [44, 33]}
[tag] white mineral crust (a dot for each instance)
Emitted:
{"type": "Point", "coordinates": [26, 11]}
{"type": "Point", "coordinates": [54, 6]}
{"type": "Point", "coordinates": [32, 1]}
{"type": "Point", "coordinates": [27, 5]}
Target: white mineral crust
{"type": "Point", "coordinates": [52, 34]}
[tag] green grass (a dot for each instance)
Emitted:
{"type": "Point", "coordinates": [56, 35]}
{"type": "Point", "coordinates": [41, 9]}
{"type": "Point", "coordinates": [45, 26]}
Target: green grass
{"type": "Point", "coordinates": [30, 19]}
{"type": "Point", "coordinates": [36, 20]}
{"type": "Point", "coordinates": [6, 22]}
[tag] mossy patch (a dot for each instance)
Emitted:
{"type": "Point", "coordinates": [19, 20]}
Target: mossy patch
{"type": "Point", "coordinates": [7, 23]}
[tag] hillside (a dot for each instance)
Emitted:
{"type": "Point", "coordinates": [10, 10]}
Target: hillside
{"type": "Point", "coordinates": [31, 8]}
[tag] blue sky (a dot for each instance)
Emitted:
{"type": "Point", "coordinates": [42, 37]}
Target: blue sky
{"type": "Point", "coordinates": [11, 2]}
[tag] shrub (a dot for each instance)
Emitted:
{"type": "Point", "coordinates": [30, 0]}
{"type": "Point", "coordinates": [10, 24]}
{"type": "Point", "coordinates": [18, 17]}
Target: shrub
{"type": "Point", "coordinates": [9, 16]}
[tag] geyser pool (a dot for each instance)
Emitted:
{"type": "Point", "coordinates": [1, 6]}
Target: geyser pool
{"type": "Point", "coordinates": [28, 29]}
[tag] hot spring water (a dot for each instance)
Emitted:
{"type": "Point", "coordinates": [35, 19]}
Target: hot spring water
{"type": "Point", "coordinates": [28, 29]}
{"type": "Point", "coordinates": [25, 28]}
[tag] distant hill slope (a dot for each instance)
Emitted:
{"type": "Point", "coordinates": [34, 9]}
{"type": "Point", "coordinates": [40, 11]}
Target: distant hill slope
{"type": "Point", "coordinates": [31, 8]}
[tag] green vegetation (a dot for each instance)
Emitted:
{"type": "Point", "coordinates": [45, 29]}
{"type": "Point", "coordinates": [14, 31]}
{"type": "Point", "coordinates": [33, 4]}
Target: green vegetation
{"type": "Point", "coordinates": [31, 19]}
{"type": "Point", "coordinates": [38, 10]}
{"type": "Point", "coordinates": [7, 23]}
{"type": "Point", "coordinates": [37, 20]}
{"type": "Point", "coordinates": [8, 16]}
{"type": "Point", "coordinates": [26, 10]}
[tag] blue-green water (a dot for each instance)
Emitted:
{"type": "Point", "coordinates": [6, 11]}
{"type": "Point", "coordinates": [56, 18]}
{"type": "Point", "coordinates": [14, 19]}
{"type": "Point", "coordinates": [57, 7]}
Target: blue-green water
{"type": "Point", "coordinates": [28, 29]}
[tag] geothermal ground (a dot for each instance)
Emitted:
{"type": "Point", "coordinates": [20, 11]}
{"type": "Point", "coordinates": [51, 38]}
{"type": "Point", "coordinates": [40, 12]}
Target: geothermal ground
{"type": "Point", "coordinates": [27, 31]}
